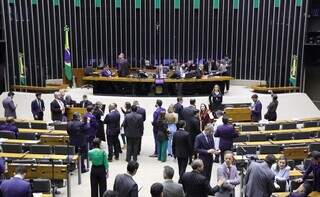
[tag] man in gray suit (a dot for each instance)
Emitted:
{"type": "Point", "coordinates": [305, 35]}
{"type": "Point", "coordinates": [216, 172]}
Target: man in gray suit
{"type": "Point", "coordinates": [133, 130]}
{"type": "Point", "coordinates": [170, 188]}
{"type": "Point", "coordinates": [9, 106]}
{"type": "Point", "coordinates": [259, 179]}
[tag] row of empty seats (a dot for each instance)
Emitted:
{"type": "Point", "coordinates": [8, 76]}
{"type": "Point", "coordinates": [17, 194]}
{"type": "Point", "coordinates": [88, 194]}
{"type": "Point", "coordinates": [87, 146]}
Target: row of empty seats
{"type": "Point", "coordinates": [38, 125]}
{"type": "Point", "coordinates": [268, 149]}
{"type": "Point", "coordinates": [279, 136]}
{"type": "Point", "coordinates": [275, 126]}
{"type": "Point", "coordinates": [38, 149]}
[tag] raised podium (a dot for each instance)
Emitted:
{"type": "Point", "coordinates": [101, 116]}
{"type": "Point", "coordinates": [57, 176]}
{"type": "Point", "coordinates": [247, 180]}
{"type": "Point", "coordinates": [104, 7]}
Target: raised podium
{"type": "Point", "coordinates": [238, 114]}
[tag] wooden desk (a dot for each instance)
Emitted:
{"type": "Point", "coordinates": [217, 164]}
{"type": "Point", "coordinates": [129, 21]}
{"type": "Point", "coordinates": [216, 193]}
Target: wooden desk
{"type": "Point", "coordinates": [257, 143]}
{"type": "Point", "coordinates": [301, 141]}
{"type": "Point", "coordinates": [54, 139]}
{"type": "Point", "coordinates": [280, 131]}
{"type": "Point", "coordinates": [314, 194]}
{"type": "Point", "coordinates": [44, 131]}
{"type": "Point", "coordinates": [238, 113]}
{"type": "Point", "coordinates": [17, 141]}
{"type": "Point", "coordinates": [37, 156]}
{"type": "Point", "coordinates": [260, 156]}
{"type": "Point", "coordinates": [295, 174]}
{"type": "Point", "coordinates": [142, 86]}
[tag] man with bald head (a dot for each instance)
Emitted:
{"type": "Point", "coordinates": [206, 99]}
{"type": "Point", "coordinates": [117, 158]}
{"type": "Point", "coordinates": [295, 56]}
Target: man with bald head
{"type": "Point", "coordinates": [195, 184]}
{"type": "Point", "coordinates": [112, 120]}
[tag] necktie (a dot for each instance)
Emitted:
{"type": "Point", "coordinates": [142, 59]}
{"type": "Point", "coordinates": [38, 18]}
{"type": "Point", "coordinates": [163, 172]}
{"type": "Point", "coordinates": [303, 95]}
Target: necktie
{"type": "Point", "coordinates": [39, 105]}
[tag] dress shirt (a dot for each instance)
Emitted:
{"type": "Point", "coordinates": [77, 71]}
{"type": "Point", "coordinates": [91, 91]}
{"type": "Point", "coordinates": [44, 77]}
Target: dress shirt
{"type": "Point", "coordinates": [98, 157]}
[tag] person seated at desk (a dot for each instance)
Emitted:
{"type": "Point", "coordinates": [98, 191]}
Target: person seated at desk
{"type": "Point", "coordinates": [70, 102]}
{"type": "Point", "coordinates": [10, 126]}
{"type": "Point", "coordinates": [281, 171]}
{"type": "Point", "coordinates": [200, 71]}
{"type": "Point", "coordinates": [106, 72]}
{"type": "Point", "coordinates": [314, 167]}
{"type": "Point", "coordinates": [85, 102]}
{"type": "Point", "coordinates": [16, 186]}
{"type": "Point", "coordinates": [123, 65]}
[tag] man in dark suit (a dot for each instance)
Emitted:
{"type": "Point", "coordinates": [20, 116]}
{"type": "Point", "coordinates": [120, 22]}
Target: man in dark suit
{"type": "Point", "coordinates": [195, 184]}
{"type": "Point", "coordinates": [9, 106]}
{"type": "Point", "coordinates": [181, 147]}
{"type": "Point", "coordinates": [123, 65]}
{"type": "Point", "coordinates": [188, 112]}
{"type": "Point", "coordinates": [124, 183]}
{"type": "Point", "coordinates": [178, 107]}
{"type": "Point", "coordinates": [156, 115]}
{"type": "Point", "coordinates": [204, 146]}
{"type": "Point", "coordinates": [37, 107]}
{"type": "Point", "coordinates": [226, 133]}
{"type": "Point", "coordinates": [77, 134]}
{"type": "Point", "coordinates": [16, 186]}
{"type": "Point", "coordinates": [194, 130]}
{"type": "Point", "coordinates": [57, 108]}
{"type": "Point", "coordinates": [141, 111]}
{"type": "Point", "coordinates": [85, 102]}
{"type": "Point", "coordinates": [112, 120]}
{"type": "Point", "coordinates": [92, 129]}
{"type": "Point", "coordinates": [133, 130]}
{"type": "Point", "coordinates": [256, 109]}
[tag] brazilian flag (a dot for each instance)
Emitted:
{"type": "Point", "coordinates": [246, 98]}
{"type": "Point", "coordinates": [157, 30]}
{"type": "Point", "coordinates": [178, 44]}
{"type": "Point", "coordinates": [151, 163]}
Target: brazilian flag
{"type": "Point", "coordinates": [22, 70]}
{"type": "Point", "coordinates": [293, 71]}
{"type": "Point", "coordinates": [67, 56]}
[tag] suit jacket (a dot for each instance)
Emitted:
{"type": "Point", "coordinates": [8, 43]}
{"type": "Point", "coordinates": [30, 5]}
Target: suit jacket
{"type": "Point", "coordinates": [123, 67]}
{"type": "Point", "coordinates": [172, 189]}
{"type": "Point", "coordinates": [112, 120]}
{"type": "Point", "coordinates": [181, 146]}
{"type": "Point", "coordinates": [35, 108]}
{"type": "Point", "coordinates": [56, 113]}
{"type": "Point", "coordinates": [92, 129]}
{"type": "Point", "coordinates": [142, 111]}
{"type": "Point", "coordinates": [259, 180]}
{"type": "Point", "coordinates": [178, 109]}
{"type": "Point", "coordinates": [227, 133]}
{"type": "Point", "coordinates": [77, 132]}
{"type": "Point", "coordinates": [85, 103]}
{"type": "Point", "coordinates": [9, 107]}
{"type": "Point", "coordinates": [133, 125]}
{"type": "Point", "coordinates": [201, 146]}
{"type": "Point", "coordinates": [125, 186]}
{"type": "Point", "coordinates": [231, 176]}
{"type": "Point", "coordinates": [256, 111]}
{"type": "Point", "coordinates": [15, 187]}
{"type": "Point", "coordinates": [10, 127]}
{"type": "Point", "coordinates": [197, 185]}
{"type": "Point", "coordinates": [194, 126]}
{"type": "Point", "coordinates": [156, 115]}
{"type": "Point", "coordinates": [187, 113]}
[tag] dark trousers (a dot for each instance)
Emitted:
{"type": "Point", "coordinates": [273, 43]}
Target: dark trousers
{"type": "Point", "coordinates": [155, 133]}
{"type": "Point", "coordinates": [207, 168]}
{"type": "Point", "coordinates": [98, 181]}
{"type": "Point", "coordinates": [123, 137]}
{"type": "Point", "coordinates": [40, 116]}
{"type": "Point", "coordinates": [182, 166]}
{"type": "Point", "coordinates": [113, 146]}
{"type": "Point", "coordinates": [83, 152]}
{"type": "Point", "coordinates": [132, 148]}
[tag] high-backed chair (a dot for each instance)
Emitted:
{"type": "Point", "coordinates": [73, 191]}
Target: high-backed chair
{"type": "Point", "coordinates": [302, 135]}
{"type": "Point", "coordinates": [271, 126]}
{"type": "Point", "coordinates": [64, 150]}
{"type": "Point", "coordinates": [22, 125]}
{"type": "Point", "coordinates": [289, 126]}
{"type": "Point", "coordinates": [27, 136]}
{"type": "Point", "coordinates": [41, 149]}
{"type": "Point", "coordinates": [41, 186]}
{"type": "Point", "coordinates": [249, 128]}
{"type": "Point", "coordinates": [35, 125]}
{"type": "Point", "coordinates": [11, 148]}
{"type": "Point", "coordinates": [7, 134]}
{"type": "Point", "coordinates": [310, 124]}
{"type": "Point", "coordinates": [60, 127]}
{"type": "Point", "coordinates": [241, 138]}
{"type": "Point", "coordinates": [257, 137]}
{"type": "Point", "coordinates": [269, 149]}
{"type": "Point", "coordinates": [246, 150]}
{"type": "Point", "coordinates": [283, 136]}
{"type": "Point", "coordinates": [314, 146]}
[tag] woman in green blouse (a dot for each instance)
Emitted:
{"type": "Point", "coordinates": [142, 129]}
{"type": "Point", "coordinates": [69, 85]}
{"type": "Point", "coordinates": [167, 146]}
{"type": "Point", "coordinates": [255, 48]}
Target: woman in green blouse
{"type": "Point", "coordinates": [99, 169]}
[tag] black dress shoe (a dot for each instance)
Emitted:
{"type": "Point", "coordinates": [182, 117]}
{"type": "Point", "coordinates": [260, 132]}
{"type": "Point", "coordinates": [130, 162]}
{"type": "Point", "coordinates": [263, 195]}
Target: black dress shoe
{"type": "Point", "coordinates": [84, 170]}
